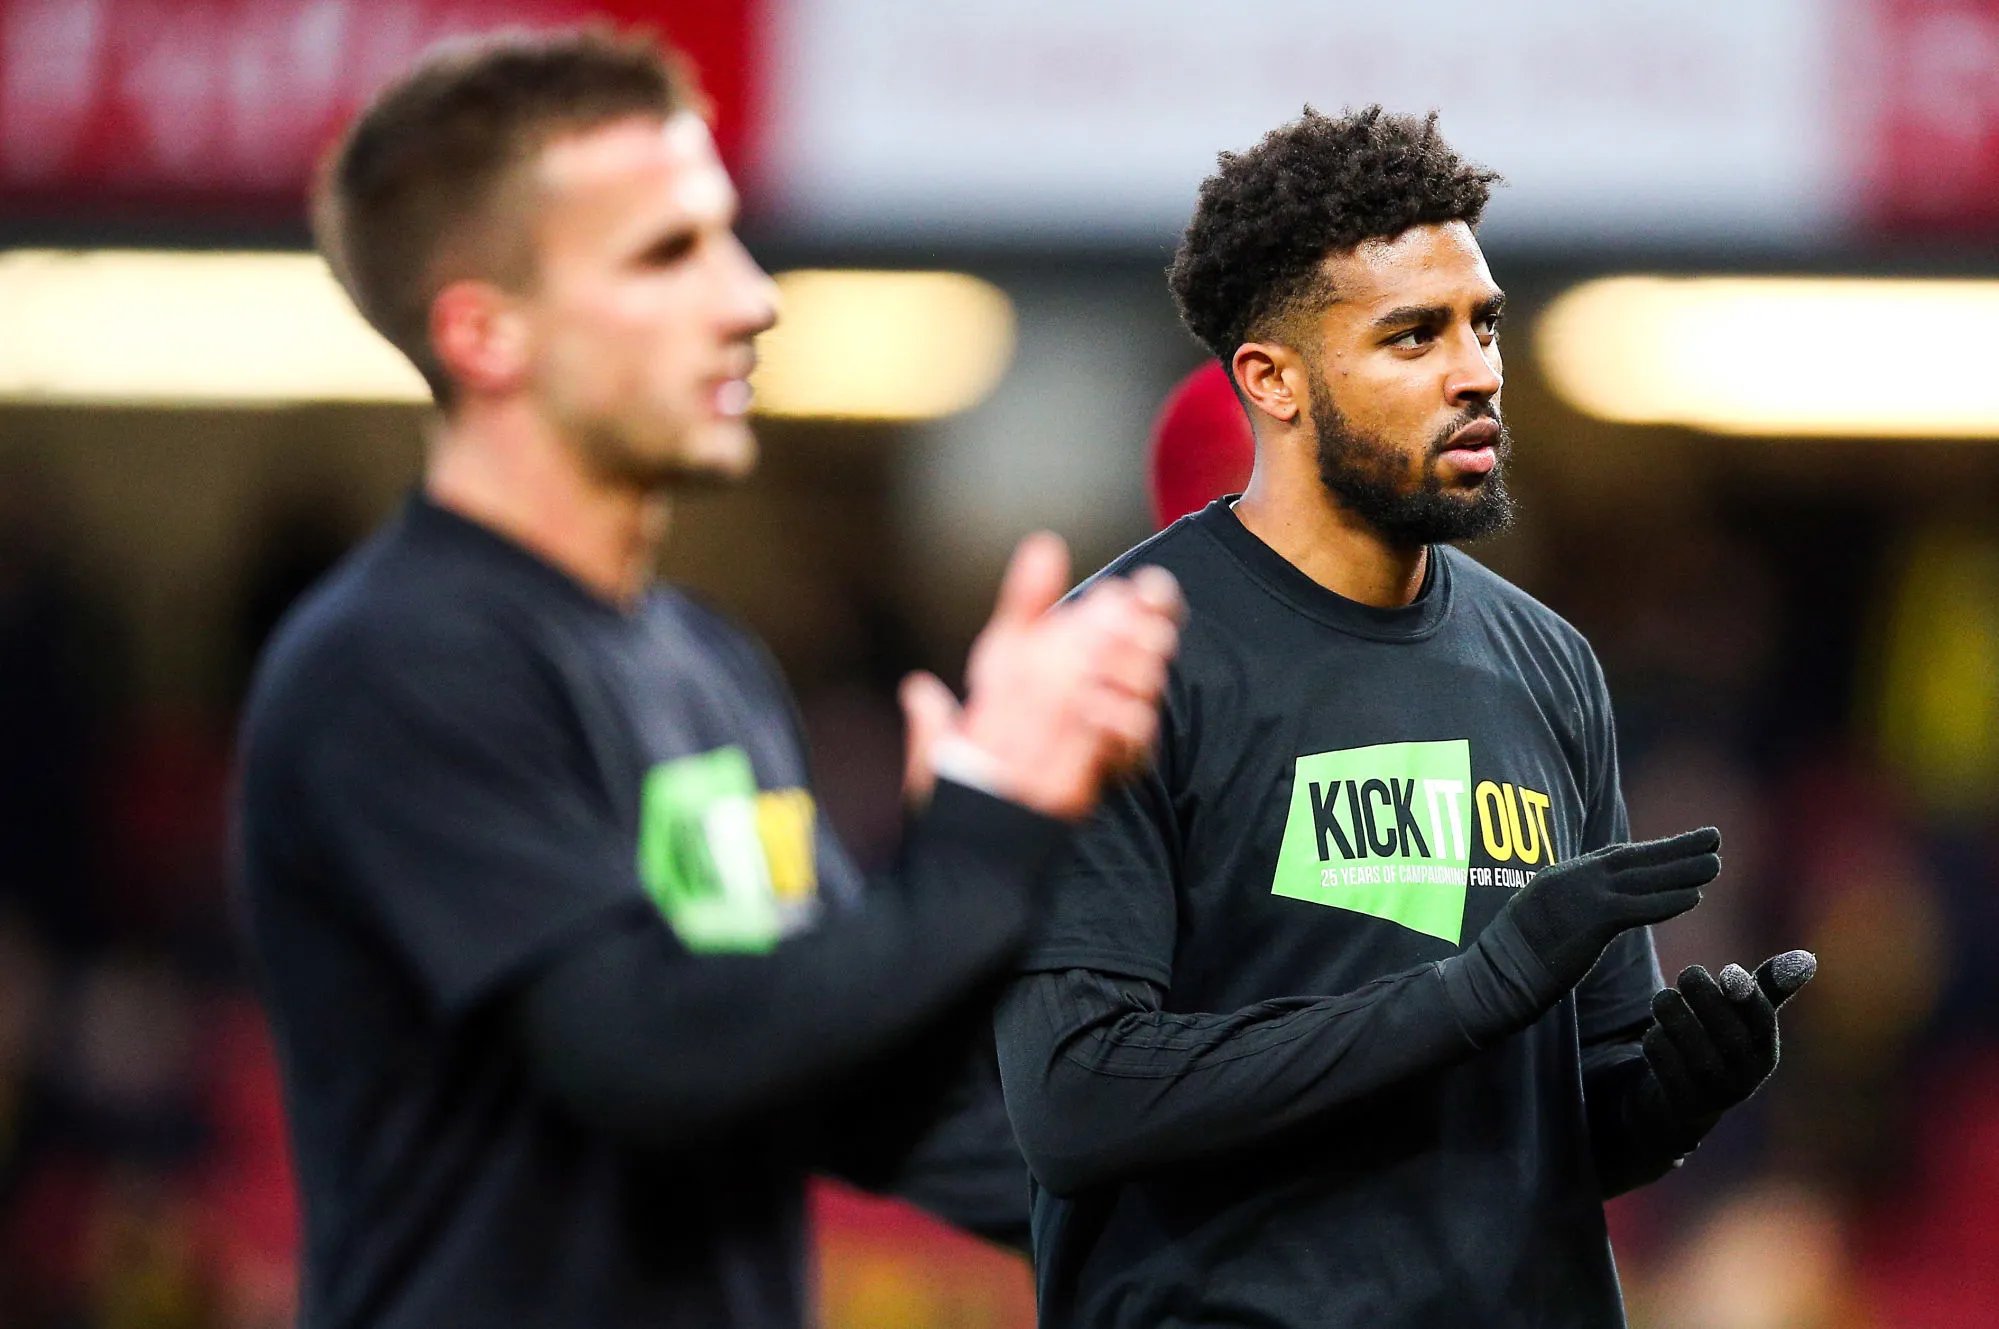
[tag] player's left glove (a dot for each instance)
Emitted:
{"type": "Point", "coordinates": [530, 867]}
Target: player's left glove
{"type": "Point", "coordinates": [1712, 1042]}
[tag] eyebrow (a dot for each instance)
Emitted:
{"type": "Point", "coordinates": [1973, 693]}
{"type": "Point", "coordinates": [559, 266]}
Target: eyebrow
{"type": "Point", "coordinates": [1418, 315]}
{"type": "Point", "coordinates": [679, 230]}
{"type": "Point", "coordinates": [667, 237]}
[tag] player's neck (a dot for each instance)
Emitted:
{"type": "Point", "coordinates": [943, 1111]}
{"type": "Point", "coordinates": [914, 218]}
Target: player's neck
{"type": "Point", "coordinates": [1297, 517]}
{"type": "Point", "coordinates": [510, 473]}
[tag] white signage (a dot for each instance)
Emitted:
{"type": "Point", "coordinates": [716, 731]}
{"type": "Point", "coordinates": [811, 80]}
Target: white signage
{"type": "Point", "coordinates": [1080, 119]}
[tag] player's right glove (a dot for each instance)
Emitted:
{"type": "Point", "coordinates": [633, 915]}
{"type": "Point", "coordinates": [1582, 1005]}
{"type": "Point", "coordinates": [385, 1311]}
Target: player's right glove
{"type": "Point", "coordinates": [1549, 936]}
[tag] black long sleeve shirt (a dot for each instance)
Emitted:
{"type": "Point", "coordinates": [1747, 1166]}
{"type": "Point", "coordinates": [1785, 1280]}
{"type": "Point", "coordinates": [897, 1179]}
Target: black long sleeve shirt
{"type": "Point", "coordinates": [1105, 1084]}
{"type": "Point", "coordinates": [571, 987]}
{"type": "Point", "coordinates": [1233, 1060]}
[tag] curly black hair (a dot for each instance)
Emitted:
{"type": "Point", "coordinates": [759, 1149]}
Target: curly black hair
{"type": "Point", "coordinates": [1267, 217]}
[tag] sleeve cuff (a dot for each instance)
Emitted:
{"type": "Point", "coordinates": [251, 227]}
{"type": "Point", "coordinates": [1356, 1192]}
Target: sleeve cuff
{"type": "Point", "coordinates": [1497, 987]}
{"type": "Point", "coordinates": [964, 762]}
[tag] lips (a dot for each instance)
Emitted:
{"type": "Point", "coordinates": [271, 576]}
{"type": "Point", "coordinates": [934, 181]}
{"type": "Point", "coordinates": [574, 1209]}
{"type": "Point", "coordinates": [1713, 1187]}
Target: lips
{"type": "Point", "coordinates": [730, 395]}
{"type": "Point", "coordinates": [1474, 449]}
{"type": "Point", "coordinates": [732, 398]}
{"type": "Point", "coordinates": [1479, 435]}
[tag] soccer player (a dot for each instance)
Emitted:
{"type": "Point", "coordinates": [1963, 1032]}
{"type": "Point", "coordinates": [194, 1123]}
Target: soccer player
{"type": "Point", "coordinates": [1348, 1013]}
{"type": "Point", "coordinates": [571, 987]}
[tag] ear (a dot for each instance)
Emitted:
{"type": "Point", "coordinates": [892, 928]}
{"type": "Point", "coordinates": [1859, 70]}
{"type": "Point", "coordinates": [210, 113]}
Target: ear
{"type": "Point", "coordinates": [480, 337]}
{"type": "Point", "coordinates": [1270, 375]}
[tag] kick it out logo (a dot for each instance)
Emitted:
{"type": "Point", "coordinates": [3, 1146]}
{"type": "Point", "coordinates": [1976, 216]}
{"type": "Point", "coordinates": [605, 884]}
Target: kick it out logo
{"type": "Point", "coordinates": [1388, 830]}
{"type": "Point", "coordinates": [730, 866]}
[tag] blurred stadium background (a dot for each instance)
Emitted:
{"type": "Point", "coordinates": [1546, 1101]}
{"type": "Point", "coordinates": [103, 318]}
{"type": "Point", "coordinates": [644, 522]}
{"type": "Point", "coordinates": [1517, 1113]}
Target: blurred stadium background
{"type": "Point", "coordinates": [1753, 379]}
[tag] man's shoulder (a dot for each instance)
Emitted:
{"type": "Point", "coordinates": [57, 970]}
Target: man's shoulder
{"type": "Point", "coordinates": [1183, 549]}
{"type": "Point", "coordinates": [385, 617]}
{"type": "Point", "coordinates": [1478, 586]}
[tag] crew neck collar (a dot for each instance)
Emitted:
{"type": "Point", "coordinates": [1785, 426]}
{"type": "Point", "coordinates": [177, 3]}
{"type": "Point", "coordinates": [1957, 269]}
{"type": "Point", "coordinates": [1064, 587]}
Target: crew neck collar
{"type": "Point", "coordinates": [425, 517]}
{"type": "Point", "coordinates": [1411, 622]}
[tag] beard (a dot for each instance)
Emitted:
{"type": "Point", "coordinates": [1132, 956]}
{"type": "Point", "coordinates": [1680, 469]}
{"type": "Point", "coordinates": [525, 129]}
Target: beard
{"type": "Point", "coordinates": [633, 434]}
{"type": "Point", "coordinates": [1369, 478]}
{"type": "Point", "coordinates": [615, 452]}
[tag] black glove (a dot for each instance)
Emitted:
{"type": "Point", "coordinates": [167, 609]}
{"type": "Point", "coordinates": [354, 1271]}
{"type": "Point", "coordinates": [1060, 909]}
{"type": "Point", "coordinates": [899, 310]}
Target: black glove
{"type": "Point", "coordinates": [1553, 932]}
{"type": "Point", "coordinates": [1712, 1043]}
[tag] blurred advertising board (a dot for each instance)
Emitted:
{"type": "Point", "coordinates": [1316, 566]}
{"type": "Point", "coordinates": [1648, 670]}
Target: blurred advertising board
{"type": "Point", "coordinates": [1701, 118]}
{"type": "Point", "coordinates": [1933, 163]}
{"type": "Point", "coordinates": [1762, 123]}
{"type": "Point", "coordinates": [219, 108]}
{"type": "Point", "coordinates": [1705, 122]}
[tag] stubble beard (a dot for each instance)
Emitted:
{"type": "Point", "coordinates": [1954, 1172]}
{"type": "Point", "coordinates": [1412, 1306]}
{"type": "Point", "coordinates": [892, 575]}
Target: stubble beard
{"type": "Point", "coordinates": [1369, 478]}
{"type": "Point", "coordinates": [615, 455]}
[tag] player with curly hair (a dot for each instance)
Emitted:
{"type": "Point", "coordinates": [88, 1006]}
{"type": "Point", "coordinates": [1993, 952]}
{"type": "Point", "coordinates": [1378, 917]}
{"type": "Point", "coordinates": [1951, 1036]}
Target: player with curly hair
{"type": "Point", "coordinates": [1348, 1013]}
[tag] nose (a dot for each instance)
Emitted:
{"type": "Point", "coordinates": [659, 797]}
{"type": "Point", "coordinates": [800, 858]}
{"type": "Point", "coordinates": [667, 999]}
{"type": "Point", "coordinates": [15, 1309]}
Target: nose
{"type": "Point", "coordinates": [1474, 374]}
{"type": "Point", "coordinates": [753, 303]}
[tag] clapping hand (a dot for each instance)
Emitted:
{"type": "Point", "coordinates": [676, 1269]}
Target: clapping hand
{"type": "Point", "coordinates": [1063, 697]}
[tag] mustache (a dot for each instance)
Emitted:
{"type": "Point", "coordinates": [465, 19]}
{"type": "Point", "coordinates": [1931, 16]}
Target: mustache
{"type": "Point", "coordinates": [1472, 414]}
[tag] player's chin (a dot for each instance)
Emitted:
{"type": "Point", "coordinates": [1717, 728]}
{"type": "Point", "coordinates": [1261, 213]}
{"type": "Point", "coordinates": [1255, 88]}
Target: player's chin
{"type": "Point", "coordinates": [731, 449]}
{"type": "Point", "coordinates": [1450, 476]}
{"type": "Point", "coordinates": [703, 458]}
{"type": "Point", "coordinates": [720, 452]}
{"type": "Point", "coordinates": [1477, 511]}
{"type": "Point", "coordinates": [1454, 483]}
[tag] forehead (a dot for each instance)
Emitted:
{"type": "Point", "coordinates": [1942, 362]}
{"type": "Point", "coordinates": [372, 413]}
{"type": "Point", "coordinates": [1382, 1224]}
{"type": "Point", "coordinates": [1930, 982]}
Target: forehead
{"type": "Point", "coordinates": [642, 169]}
{"type": "Point", "coordinates": [1437, 263]}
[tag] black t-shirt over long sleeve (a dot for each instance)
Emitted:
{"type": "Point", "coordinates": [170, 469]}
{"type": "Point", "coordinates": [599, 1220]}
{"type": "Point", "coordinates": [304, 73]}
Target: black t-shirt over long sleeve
{"type": "Point", "coordinates": [1238, 1073]}
{"type": "Point", "coordinates": [467, 786]}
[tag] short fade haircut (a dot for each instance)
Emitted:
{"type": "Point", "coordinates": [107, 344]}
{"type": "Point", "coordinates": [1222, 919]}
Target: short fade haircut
{"type": "Point", "coordinates": [1267, 218]}
{"type": "Point", "coordinates": [420, 190]}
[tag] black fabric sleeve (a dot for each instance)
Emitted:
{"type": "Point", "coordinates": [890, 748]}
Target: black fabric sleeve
{"type": "Point", "coordinates": [441, 788]}
{"type": "Point", "coordinates": [927, 1124]}
{"type": "Point", "coordinates": [967, 1168]}
{"type": "Point", "coordinates": [1614, 1004]}
{"type": "Point", "coordinates": [1618, 992]}
{"type": "Point", "coordinates": [1613, 1008]}
{"type": "Point", "coordinates": [1103, 1084]}
{"type": "Point", "coordinates": [1632, 1147]}
{"type": "Point", "coordinates": [1111, 905]}
{"type": "Point", "coordinates": [705, 1042]}
{"type": "Point", "coordinates": [915, 1123]}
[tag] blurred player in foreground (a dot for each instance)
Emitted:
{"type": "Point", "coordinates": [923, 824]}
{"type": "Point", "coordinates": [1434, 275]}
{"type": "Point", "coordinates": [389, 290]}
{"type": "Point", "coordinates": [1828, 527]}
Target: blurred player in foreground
{"type": "Point", "coordinates": [572, 989]}
{"type": "Point", "coordinates": [1348, 1012]}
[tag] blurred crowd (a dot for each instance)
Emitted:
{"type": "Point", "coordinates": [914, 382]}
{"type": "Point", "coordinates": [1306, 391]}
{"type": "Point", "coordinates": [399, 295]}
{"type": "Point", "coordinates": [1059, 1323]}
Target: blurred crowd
{"type": "Point", "coordinates": [143, 1174]}
{"type": "Point", "coordinates": [1795, 676]}
{"type": "Point", "coordinates": [1806, 678]}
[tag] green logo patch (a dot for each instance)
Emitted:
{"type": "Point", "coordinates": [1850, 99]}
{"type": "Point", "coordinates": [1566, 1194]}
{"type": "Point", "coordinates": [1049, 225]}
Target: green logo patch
{"type": "Point", "coordinates": [729, 868]}
{"type": "Point", "coordinates": [1384, 831]}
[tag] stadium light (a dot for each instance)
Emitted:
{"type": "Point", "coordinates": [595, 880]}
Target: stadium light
{"type": "Point", "coordinates": [134, 327]}
{"type": "Point", "coordinates": [883, 345]}
{"type": "Point", "coordinates": [1836, 356]}
{"type": "Point", "coordinates": [165, 328]}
